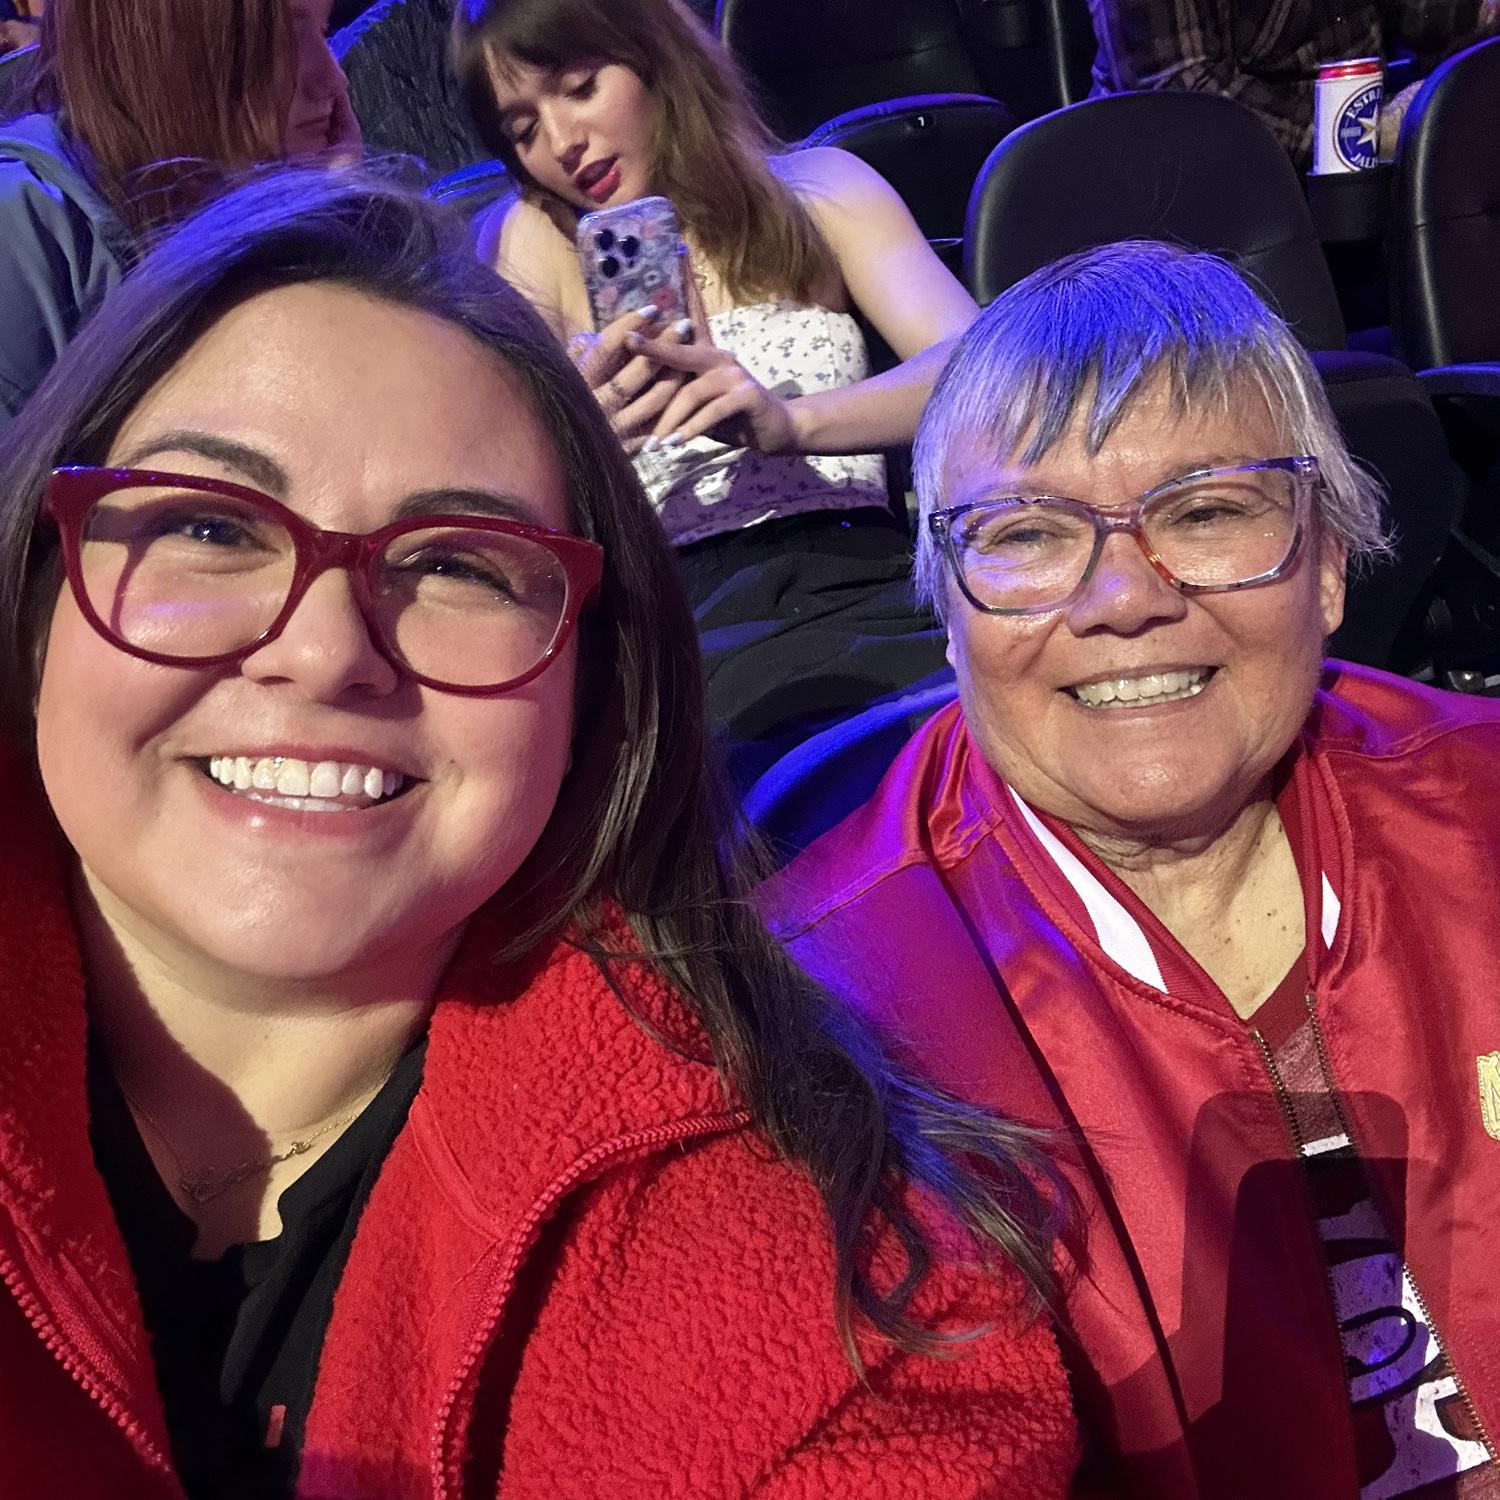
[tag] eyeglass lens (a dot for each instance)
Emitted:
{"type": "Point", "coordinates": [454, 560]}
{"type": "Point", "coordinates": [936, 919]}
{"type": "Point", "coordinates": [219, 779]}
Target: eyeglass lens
{"type": "Point", "coordinates": [188, 574]}
{"type": "Point", "coordinates": [1215, 532]}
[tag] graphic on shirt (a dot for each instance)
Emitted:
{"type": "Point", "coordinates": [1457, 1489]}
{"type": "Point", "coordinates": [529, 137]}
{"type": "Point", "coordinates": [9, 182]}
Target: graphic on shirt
{"type": "Point", "coordinates": [1357, 130]}
{"type": "Point", "coordinates": [1489, 1092]}
{"type": "Point", "coordinates": [1414, 1433]}
{"type": "Point", "coordinates": [1412, 1427]}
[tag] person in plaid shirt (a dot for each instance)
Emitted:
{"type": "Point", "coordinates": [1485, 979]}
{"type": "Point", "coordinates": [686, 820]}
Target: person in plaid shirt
{"type": "Point", "coordinates": [1267, 55]}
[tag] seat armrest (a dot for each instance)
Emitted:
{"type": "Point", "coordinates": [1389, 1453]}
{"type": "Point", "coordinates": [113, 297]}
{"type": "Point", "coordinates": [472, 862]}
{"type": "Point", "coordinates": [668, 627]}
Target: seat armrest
{"type": "Point", "coordinates": [1462, 380]}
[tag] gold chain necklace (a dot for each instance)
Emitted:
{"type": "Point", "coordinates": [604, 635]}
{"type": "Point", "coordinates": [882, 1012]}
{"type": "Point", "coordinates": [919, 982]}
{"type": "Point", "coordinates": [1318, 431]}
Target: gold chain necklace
{"type": "Point", "coordinates": [202, 1185]}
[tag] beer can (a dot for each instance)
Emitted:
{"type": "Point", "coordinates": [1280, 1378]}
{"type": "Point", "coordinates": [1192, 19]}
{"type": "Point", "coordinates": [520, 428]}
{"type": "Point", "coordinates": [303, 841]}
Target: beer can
{"type": "Point", "coordinates": [1346, 115]}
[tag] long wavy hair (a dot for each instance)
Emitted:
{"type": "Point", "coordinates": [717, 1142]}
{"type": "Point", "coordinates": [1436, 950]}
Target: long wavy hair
{"type": "Point", "coordinates": [711, 149]}
{"type": "Point", "coordinates": [165, 97]}
{"type": "Point", "coordinates": [644, 822]}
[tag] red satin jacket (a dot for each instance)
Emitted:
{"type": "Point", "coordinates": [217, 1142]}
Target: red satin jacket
{"type": "Point", "coordinates": [576, 1276]}
{"type": "Point", "coordinates": [1205, 1353]}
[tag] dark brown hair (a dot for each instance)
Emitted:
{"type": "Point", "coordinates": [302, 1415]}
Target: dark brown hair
{"type": "Point", "coordinates": [163, 97]}
{"type": "Point", "coordinates": [644, 819]}
{"type": "Point", "coordinates": [711, 148]}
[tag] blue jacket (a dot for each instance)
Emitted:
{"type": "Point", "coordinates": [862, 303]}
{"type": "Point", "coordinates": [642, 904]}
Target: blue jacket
{"type": "Point", "coordinates": [62, 247]}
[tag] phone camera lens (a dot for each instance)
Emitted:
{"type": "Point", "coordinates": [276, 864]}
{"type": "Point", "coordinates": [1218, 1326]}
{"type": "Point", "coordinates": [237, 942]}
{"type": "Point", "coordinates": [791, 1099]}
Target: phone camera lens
{"type": "Point", "coordinates": [605, 239]}
{"type": "Point", "coordinates": [630, 247]}
{"type": "Point", "coordinates": [609, 267]}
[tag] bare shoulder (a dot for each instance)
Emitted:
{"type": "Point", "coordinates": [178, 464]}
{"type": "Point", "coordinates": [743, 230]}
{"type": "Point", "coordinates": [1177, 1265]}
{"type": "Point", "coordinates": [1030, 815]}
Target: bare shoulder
{"type": "Point", "coordinates": [832, 176]}
{"type": "Point", "coordinates": [529, 251]}
{"type": "Point", "coordinates": [515, 231]}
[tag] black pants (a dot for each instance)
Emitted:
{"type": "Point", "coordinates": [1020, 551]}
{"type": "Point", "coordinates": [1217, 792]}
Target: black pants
{"type": "Point", "coordinates": [804, 622]}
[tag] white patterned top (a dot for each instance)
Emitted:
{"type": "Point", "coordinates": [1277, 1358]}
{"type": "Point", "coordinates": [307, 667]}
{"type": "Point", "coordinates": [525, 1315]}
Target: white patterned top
{"type": "Point", "coordinates": [705, 487]}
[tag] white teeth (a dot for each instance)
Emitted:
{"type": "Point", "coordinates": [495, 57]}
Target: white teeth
{"type": "Point", "coordinates": [292, 778]}
{"type": "Point", "coordinates": [324, 783]}
{"type": "Point", "coordinates": [326, 779]}
{"type": "Point", "coordinates": [1153, 687]}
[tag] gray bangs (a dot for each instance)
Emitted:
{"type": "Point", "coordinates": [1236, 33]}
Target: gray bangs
{"type": "Point", "coordinates": [1073, 347]}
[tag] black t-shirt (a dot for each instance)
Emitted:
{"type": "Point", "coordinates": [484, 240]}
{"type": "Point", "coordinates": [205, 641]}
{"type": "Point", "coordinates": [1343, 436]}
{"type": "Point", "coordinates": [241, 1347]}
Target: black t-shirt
{"type": "Point", "coordinates": [237, 1340]}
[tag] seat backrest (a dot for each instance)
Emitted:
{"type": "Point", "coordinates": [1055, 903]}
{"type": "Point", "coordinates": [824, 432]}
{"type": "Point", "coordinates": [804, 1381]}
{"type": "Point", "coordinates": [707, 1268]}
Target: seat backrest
{"type": "Point", "coordinates": [930, 149]}
{"type": "Point", "coordinates": [1445, 221]}
{"type": "Point", "coordinates": [1196, 169]}
{"type": "Point", "coordinates": [1071, 30]}
{"type": "Point", "coordinates": [1388, 422]}
{"type": "Point", "coordinates": [1036, 55]}
{"type": "Point", "coordinates": [403, 92]}
{"type": "Point", "coordinates": [811, 59]}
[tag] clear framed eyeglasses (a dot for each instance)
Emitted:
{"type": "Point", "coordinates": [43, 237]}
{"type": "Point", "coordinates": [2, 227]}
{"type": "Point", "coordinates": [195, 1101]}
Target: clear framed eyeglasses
{"type": "Point", "coordinates": [1205, 532]}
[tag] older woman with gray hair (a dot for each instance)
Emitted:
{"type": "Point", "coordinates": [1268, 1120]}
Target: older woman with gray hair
{"type": "Point", "coordinates": [1220, 913]}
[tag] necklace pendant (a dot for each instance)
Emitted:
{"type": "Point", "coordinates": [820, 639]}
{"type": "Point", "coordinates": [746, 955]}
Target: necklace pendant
{"type": "Point", "coordinates": [203, 1187]}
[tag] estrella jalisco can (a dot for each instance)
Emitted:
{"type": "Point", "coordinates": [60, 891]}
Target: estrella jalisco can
{"type": "Point", "coordinates": [1346, 115]}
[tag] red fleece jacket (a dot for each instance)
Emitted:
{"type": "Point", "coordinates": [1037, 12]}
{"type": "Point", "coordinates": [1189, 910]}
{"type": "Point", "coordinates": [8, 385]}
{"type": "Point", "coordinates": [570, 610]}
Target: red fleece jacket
{"type": "Point", "coordinates": [578, 1274]}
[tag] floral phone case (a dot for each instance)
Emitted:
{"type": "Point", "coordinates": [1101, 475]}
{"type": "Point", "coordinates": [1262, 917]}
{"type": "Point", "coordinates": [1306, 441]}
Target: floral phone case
{"type": "Point", "coordinates": [631, 254]}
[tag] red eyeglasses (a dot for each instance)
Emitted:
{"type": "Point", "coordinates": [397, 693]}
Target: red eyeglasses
{"type": "Point", "coordinates": [194, 572]}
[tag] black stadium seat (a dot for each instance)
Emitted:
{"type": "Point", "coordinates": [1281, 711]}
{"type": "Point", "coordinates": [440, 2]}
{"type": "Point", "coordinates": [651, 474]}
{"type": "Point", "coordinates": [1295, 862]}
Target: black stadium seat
{"type": "Point", "coordinates": [930, 149]}
{"type": "Point", "coordinates": [811, 59]}
{"type": "Point", "coordinates": [1203, 171]}
{"type": "Point", "coordinates": [1037, 55]}
{"type": "Point", "coordinates": [403, 91]}
{"type": "Point", "coordinates": [1444, 249]}
{"type": "Point", "coordinates": [1195, 168]}
{"type": "Point", "coordinates": [1445, 224]}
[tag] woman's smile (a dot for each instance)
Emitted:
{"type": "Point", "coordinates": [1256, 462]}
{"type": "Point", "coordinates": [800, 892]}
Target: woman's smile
{"type": "Point", "coordinates": [1142, 690]}
{"type": "Point", "coordinates": [336, 785]}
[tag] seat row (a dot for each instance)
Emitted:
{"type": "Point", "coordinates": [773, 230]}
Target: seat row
{"type": "Point", "coordinates": [1000, 200]}
{"type": "Point", "coordinates": [1035, 55]}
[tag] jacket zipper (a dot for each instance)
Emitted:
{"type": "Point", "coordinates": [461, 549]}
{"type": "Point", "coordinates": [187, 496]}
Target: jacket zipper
{"type": "Point", "coordinates": [1432, 1328]}
{"type": "Point", "coordinates": [1283, 1101]}
{"type": "Point", "coordinates": [447, 1471]}
{"type": "Point", "coordinates": [57, 1345]}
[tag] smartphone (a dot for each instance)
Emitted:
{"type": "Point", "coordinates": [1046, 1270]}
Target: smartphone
{"type": "Point", "coordinates": [631, 254]}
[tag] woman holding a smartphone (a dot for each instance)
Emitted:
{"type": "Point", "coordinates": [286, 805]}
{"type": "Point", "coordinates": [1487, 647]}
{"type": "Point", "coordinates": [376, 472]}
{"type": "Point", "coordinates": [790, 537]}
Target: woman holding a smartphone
{"type": "Point", "coordinates": [137, 113]}
{"type": "Point", "coordinates": [755, 424]}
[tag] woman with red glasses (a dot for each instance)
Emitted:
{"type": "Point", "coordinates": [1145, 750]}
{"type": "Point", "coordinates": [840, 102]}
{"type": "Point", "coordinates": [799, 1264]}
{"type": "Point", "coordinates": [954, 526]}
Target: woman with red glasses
{"type": "Point", "coordinates": [400, 1096]}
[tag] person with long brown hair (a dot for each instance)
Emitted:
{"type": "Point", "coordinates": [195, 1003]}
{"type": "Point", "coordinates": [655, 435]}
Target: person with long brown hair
{"type": "Point", "coordinates": [401, 1096]}
{"type": "Point", "coordinates": [758, 432]}
{"type": "Point", "coordinates": [137, 112]}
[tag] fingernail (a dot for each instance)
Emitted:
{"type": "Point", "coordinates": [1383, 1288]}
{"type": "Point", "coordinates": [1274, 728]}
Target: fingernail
{"type": "Point", "coordinates": [651, 444]}
{"type": "Point", "coordinates": [672, 440]}
{"type": "Point", "coordinates": [648, 312]}
{"type": "Point", "coordinates": [682, 327]}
